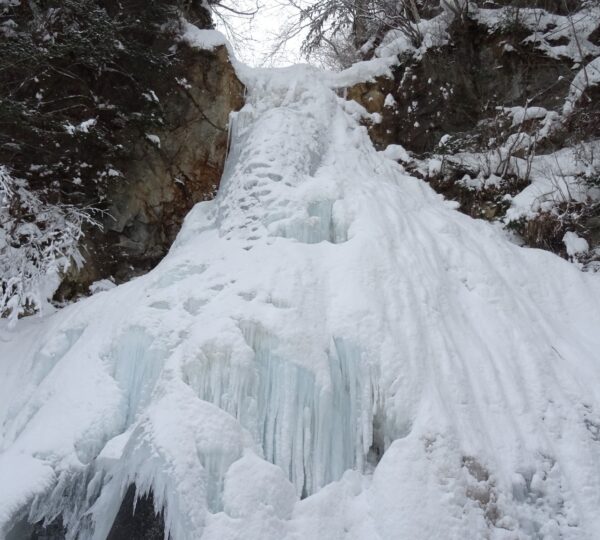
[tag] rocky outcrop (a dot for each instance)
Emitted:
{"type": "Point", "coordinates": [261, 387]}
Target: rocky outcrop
{"type": "Point", "coordinates": [170, 169]}
{"type": "Point", "coordinates": [450, 89]}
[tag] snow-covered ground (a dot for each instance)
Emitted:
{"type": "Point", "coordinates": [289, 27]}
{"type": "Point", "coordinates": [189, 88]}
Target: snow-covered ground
{"type": "Point", "coordinates": [329, 351]}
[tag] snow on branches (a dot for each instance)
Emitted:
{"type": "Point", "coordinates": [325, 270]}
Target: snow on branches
{"type": "Point", "coordinates": [38, 241]}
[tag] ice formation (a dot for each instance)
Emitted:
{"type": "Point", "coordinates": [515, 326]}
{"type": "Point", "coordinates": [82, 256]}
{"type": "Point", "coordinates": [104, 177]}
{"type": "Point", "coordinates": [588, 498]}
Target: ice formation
{"type": "Point", "coordinates": [328, 351]}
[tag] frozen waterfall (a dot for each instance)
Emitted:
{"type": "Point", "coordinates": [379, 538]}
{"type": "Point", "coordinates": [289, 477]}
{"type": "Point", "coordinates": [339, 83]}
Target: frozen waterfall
{"type": "Point", "coordinates": [328, 351]}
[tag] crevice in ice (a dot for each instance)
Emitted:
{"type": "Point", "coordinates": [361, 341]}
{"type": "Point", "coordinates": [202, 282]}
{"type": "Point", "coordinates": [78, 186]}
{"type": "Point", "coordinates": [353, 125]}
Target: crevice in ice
{"type": "Point", "coordinates": [378, 445]}
{"type": "Point", "coordinates": [137, 519]}
{"type": "Point", "coordinates": [41, 530]}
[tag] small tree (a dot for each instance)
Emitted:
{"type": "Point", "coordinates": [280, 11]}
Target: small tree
{"type": "Point", "coordinates": [38, 241]}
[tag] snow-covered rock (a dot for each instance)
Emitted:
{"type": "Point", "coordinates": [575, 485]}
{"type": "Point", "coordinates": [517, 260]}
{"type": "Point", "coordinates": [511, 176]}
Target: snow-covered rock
{"type": "Point", "coordinates": [574, 244]}
{"type": "Point", "coordinates": [253, 485]}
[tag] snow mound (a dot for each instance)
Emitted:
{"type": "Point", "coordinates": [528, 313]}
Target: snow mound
{"type": "Point", "coordinates": [328, 351]}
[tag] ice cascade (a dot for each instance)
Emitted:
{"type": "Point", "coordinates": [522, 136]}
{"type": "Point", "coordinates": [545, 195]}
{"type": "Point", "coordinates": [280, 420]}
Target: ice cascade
{"type": "Point", "coordinates": [329, 350]}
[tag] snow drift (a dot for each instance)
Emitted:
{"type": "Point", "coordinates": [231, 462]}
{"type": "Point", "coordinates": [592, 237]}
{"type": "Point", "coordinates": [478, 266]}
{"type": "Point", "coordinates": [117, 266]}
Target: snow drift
{"type": "Point", "coordinates": [328, 351]}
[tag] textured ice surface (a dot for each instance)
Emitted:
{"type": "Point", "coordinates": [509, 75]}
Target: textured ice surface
{"type": "Point", "coordinates": [329, 350]}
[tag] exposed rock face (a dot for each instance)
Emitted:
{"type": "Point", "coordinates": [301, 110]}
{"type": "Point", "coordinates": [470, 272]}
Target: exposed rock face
{"type": "Point", "coordinates": [170, 170]}
{"type": "Point", "coordinates": [450, 89]}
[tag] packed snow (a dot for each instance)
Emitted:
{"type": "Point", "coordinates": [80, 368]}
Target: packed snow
{"type": "Point", "coordinates": [329, 350]}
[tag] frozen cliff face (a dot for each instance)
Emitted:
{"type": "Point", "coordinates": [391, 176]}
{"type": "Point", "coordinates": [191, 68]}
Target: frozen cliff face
{"type": "Point", "coordinates": [329, 350]}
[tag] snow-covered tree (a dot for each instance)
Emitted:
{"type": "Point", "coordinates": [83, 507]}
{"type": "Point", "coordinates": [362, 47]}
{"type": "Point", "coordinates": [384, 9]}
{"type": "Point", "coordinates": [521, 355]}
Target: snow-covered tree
{"type": "Point", "coordinates": [38, 241]}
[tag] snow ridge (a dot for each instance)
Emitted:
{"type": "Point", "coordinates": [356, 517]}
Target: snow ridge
{"type": "Point", "coordinates": [329, 350]}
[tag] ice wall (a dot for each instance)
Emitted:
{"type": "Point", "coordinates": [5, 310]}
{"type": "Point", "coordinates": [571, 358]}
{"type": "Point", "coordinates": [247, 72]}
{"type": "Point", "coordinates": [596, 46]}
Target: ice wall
{"type": "Point", "coordinates": [313, 430]}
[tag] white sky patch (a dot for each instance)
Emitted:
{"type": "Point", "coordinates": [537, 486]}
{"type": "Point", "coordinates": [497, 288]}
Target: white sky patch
{"type": "Point", "coordinates": [255, 40]}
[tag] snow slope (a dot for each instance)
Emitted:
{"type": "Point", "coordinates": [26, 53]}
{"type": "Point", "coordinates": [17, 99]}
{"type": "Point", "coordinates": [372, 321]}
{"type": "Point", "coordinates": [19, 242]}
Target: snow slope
{"type": "Point", "coordinates": [328, 351]}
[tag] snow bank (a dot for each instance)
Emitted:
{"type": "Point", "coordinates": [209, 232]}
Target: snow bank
{"type": "Point", "coordinates": [328, 351]}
